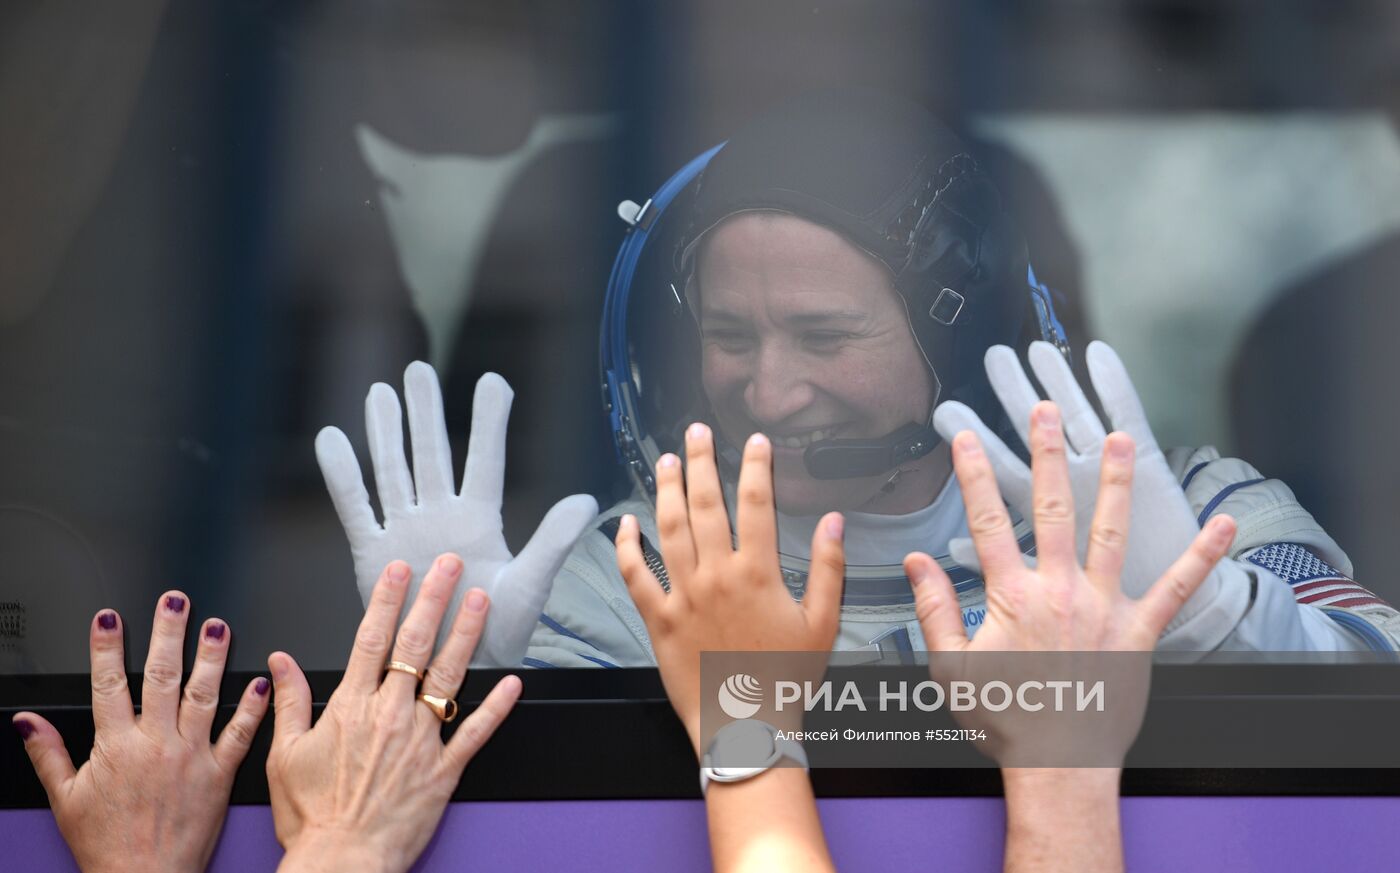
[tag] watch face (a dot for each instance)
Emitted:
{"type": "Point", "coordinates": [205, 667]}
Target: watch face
{"type": "Point", "coordinates": [746, 745]}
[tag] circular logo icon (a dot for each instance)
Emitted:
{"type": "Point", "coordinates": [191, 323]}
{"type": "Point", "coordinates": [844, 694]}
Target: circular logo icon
{"type": "Point", "coordinates": [740, 696]}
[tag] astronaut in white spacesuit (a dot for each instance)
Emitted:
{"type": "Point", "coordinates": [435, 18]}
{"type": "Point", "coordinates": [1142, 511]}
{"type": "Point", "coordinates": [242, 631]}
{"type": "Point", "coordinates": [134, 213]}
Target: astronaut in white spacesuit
{"type": "Point", "coordinates": [842, 277]}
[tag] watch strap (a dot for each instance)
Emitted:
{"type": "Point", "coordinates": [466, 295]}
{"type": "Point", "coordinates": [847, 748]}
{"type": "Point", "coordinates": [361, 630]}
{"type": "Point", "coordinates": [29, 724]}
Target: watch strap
{"type": "Point", "coordinates": [782, 748]}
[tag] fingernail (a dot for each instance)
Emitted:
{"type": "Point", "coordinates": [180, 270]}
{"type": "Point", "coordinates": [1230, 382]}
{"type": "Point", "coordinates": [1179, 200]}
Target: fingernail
{"type": "Point", "coordinates": [1119, 450]}
{"type": "Point", "coordinates": [107, 620]}
{"type": "Point", "coordinates": [758, 441]}
{"type": "Point", "coordinates": [967, 444]}
{"type": "Point", "coordinates": [917, 577]}
{"type": "Point", "coordinates": [278, 666]}
{"type": "Point", "coordinates": [1223, 528]}
{"type": "Point", "coordinates": [835, 525]}
{"type": "Point", "coordinates": [25, 728]}
{"type": "Point", "coordinates": [1047, 415]}
{"type": "Point", "coordinates": [175, 604]}
{"type": "Point", "coordinates": [399, 572]}
{"type": "Point", "coordinates": [215, 630]}
{"type": "Point", "coordinates": [476, 601]}
{"type": "Point", "coordinates": [697, 431]}
{"type": "Point", "coordinates": [667, 460]}
{"type": "Point", "coordinates": [261, 686]}
{"type": "Point", "coordinates": [451, 565]}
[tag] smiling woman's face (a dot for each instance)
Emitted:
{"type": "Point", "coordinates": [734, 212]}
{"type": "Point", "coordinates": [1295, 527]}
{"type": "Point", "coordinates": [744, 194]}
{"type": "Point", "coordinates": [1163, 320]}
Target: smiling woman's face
{"type": "Point", "coordinates": [804, 339]}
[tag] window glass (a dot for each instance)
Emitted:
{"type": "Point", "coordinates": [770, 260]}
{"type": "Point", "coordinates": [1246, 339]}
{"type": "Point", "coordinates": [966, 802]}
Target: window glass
{"type": "Point", "coordinates": [223, 225]}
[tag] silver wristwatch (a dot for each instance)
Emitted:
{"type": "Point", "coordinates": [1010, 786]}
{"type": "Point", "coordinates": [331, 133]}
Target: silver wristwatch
{"type": "Point", "coordinates": [743, 749]}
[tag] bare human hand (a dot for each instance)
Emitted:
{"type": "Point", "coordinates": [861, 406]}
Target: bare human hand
{"type": "Point", "coordinates": [725, 598]}
{"type": "Point", "coordinates": [1059, 605]}
{"type": "Point", "coordinates": [365, 788]}
{"type": "Point", "coordinates": [1059, 817]}
{"type": "Point", "coordinates": [153, 794]}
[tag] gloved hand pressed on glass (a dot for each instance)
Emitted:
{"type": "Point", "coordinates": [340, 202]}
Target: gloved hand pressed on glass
{"type": "Point", "coordinates": [1163, 523]}
{"type": "Point", "coordinates": [425, 515]}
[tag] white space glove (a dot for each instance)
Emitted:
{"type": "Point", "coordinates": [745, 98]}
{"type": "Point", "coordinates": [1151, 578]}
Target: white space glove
{"type": "Point", "coordinates": [425, 516]}
{"type": "Point", "coordinates": [1163, 524]}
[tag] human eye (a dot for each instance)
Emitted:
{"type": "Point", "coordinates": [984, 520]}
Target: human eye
{"type": "Point", "coordinates": [824, 340]}
{"type": "Point", "coordinates": [729, 339]}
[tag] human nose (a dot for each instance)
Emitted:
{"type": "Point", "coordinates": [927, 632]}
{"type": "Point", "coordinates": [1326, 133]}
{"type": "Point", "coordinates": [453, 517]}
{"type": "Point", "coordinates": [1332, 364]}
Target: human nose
{"type": "Point", "coordinates": [777, 389]}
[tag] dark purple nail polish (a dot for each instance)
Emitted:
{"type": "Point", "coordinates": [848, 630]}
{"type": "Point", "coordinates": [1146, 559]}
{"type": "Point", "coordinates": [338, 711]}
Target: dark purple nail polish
{"type": "Point", "coordinates": [175, 603]}
{"type": "Point", "coordinates": [107, 620]}
{"type": "Point", "coordinates": [260, 687]}
{"type": "Point", "coordinates": [26, 730]}
{"type": "Point", "coordinates": [215, 631]}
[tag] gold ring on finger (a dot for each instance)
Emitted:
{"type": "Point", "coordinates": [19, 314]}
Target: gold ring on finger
{"type": "Point", "coordinates": [445, 708]}
{"type": "Point", "coordinates": [402, 667]}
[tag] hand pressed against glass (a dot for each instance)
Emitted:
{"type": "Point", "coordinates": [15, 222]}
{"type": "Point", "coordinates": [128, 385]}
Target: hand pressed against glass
{"type": "Point", "coordinates": [725, 598]}
{"type": "Point", "coordinates": [153, 794]}
{"type": "Point", "coordinates": [426, 513]}
{"type": "Point", "coordinates": [1058, 606]}
{"type": "Point", "coordinates": [1060, 770]}
{"type": "Point", "coordinates": [365, 787]}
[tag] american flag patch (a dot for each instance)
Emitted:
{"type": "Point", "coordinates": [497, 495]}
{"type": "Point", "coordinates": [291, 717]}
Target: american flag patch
{"type": "Point", "coordinates": [1314, 581]}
